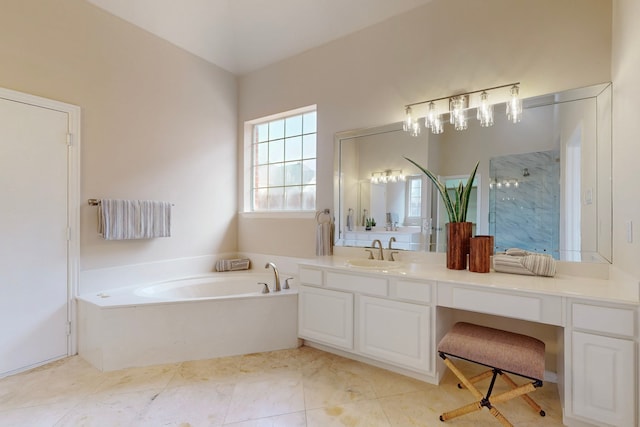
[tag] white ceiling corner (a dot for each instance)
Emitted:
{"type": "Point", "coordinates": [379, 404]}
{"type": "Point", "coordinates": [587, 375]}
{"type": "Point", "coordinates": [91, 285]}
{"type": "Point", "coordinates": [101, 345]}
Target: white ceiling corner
{"type": "Point", "coordinates": [245, 35]}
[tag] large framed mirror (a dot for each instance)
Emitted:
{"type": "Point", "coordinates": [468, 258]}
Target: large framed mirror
{"type": "Point", "coordinates": [544, 184]}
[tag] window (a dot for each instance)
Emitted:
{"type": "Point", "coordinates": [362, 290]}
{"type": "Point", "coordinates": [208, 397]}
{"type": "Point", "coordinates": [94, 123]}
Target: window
{"type": "Point", "coordinates": [283, 172]}
{"type": "Point", "coordinates": [413, 200]}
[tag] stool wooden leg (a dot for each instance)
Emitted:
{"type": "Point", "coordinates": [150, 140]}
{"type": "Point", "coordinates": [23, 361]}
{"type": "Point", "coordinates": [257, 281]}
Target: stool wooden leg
{"type": "Point", "coordinates": [526, 397]}
{"type": "Point", "coordinates": [500, 417]}
{"type": "Point", "coordinates": [479, 377]}
{"type": "Point", "coordinates": [463, 379]}
{"type": "Point", "coordinates": [516, 392]}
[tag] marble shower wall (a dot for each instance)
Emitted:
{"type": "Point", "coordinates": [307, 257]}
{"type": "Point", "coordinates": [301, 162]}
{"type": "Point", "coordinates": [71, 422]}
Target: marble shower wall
{"type": "Point", "coordinates": [524, 201]}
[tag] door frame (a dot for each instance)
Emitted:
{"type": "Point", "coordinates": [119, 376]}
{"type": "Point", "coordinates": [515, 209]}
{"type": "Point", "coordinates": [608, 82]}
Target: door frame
{"type": "Point", "coordinates": [73, 198]}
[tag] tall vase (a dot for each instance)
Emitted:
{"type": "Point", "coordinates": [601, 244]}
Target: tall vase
{"type": "Point", "coordinates": [458, 236]}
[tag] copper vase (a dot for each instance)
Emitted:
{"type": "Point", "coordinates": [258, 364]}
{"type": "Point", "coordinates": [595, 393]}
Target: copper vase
{"type": "Point", "coordinates": [458, 236]}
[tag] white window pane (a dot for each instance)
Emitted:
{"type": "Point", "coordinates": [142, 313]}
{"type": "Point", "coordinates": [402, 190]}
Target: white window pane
{"type": "Point", "coordinates": [309, 197]}
{"type": "Point", "coordinates": [276, 151]}
{"type": "Point", "coordinates": [262, 153]}
{"type": "Point", "coordinates": [261, 176]}
{"type": "Point", "coordinates": [260, 199]}
{"type": "Point", "coordinates": [276, 175]}
{"type": "Point", "coordinates": [276, 199]}
{"type": "Point", "coordinates": [309, 123]}
{"type": "Point", "coordinates": [293, 148]}
{"type": "Point", "coordinates": [262, 132]}
{"type": "Point", "coordinates": [309, 172]}
{"type": "Point", "coordinates": [293, 126]}
{"type": "Point", "coordinates": [309, 146]}
{"type": "Point", "coordinates": [293, 199]}
{"type": "Point", "coordinates": [293, 173]}
{"type": "Point", "coordinates": [276, 129]}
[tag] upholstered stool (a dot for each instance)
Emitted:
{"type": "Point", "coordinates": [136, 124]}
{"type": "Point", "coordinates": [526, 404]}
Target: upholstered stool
{"type": "Point", "coordinates": [501, 351]}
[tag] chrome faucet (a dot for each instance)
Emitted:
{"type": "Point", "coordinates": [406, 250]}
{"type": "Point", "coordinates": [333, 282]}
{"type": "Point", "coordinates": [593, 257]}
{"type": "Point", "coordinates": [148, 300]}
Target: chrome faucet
{"type": "Point", "coordinates": [277, 275]}
{"type": "Point", "coordinates": [380, 253]}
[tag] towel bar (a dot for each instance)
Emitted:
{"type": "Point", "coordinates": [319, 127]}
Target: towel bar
{"type": "Point", "coordinates": [96, 202]}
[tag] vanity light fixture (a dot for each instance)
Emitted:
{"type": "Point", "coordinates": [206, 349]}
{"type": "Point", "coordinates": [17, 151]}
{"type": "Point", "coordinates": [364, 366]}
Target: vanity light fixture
{"type": "Point", "coordinates": [389, 175]}
{"type": "Point", "coordinates": [458, 107]}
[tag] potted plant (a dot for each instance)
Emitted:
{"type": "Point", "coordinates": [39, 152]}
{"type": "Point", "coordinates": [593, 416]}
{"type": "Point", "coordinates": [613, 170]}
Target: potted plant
{"type": "Point", "coordinates": [458, 229]}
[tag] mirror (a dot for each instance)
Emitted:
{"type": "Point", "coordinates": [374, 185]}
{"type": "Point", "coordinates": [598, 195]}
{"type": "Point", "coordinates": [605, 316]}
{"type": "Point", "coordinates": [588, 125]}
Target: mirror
{"type": "Point", "coordinates": [543, 184]}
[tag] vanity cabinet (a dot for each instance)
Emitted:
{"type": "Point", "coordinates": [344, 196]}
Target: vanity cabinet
{"type": "Point", "coordinates": [326, 316]}
{"type": "Point", "coordinates": [395, 332]}
{"type": "Point", "coordinates": [603, 363]}
{"type": "Point", "coordinates": [387, 320]}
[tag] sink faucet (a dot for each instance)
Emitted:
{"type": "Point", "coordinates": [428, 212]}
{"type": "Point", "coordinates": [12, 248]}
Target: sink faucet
{"type": "Point", "coordinates": [380, 253]}
{"type": "Point", "coordinates": [277, 275]}
{"type": "Point", "coordinates": [391, 240]}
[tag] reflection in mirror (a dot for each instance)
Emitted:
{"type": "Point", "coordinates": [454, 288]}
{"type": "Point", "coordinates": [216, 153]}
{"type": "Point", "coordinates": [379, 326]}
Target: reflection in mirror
{"type": "Point", "coordinates": [545, 187]}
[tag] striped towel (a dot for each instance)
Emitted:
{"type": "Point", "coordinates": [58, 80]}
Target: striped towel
{"type": "Point", "coordinates": [324, 238]}
{"type": "Point", "coordinates": [133, 219]}
{"type": "Point", "coordinates": [519, 261]}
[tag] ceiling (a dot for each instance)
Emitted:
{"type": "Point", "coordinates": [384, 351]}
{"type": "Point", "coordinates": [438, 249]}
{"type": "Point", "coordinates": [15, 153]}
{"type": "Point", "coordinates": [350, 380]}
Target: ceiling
{"type": "Point", "coordinates": [245, 35]}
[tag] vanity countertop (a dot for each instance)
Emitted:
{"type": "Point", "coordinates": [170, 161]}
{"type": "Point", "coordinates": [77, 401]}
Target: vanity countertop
{"type": "Point", "coordinates": [610, 290]}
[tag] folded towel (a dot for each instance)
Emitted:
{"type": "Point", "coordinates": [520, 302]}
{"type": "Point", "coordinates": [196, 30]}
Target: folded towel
{"type": "Point", "coordinates": [233, 264]}
{"type": "Point", "coordinates": [133, 219]}
{"type": "Point", "coordinates": [519, 261]}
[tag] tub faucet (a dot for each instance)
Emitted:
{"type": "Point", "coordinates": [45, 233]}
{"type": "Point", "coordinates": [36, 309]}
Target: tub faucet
{"type": "Point", "coordinates": [380, 253]}
{"type": "Point", "coordinates": [277, 275]}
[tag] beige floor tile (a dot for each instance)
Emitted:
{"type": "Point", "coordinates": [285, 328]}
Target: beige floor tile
{"type": "Point", "coordinates": [265, 398]}
{"type": "Point", "coordinates": [137, 379]}
{"type": "Point", "coordinates": [288, 388]}
{"type": "Point", "coordinates": [364, 413]}
{"type": "Point", "coordinates": [45, 415]}
{"type": "Point", "coordinates": [108, 410]}
{"type": "Point", "coordinates": [200, 404]}
{"type": "Point", "coordinates": [68, 381]}
{"type": "Point", "coordinates": [331, 386]}
{"type": "Point", "coordinates": [296, 419]}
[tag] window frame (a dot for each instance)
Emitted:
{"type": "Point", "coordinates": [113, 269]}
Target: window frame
{"type": "Point", "coordinates": [247, 208]}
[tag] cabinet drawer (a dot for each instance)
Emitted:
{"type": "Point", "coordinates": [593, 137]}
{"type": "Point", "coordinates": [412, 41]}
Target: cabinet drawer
{"type": "Point", "coordinates": [311, 276]}
{"type": "Point", "coordinates": [537, 308]}
{"type": "Point", "coordinates": [360, 284]}
{"type": "Point", "coordinates": [410, 290]}
{"type": "Point", "coordinates": [619, 321]}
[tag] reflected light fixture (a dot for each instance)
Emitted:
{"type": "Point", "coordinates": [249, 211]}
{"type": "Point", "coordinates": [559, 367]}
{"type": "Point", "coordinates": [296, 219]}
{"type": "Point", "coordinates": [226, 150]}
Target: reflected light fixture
{"type": "Point", "coordinates": [389, 175]}
{"type": "Point", "coordinates": [514, 106]}
{"type": "Point", "coordinates": [458, 107]}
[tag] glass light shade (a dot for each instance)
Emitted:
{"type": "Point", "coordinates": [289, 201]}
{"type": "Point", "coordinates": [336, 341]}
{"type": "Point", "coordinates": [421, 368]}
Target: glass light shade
{"type": "Point", "coordinates": [485, 111]}
{"type": "Point", "coordinates": [415, 128]}
{"type": "Point", "coordinates": [461, 122]}
{"type": "Point", "coordinates": [408, 120]}
{"type": "Point", "coordinates": [514, 106]}
{"type": "Point", "coordinates": [437, 127]}
{"type": "Point", "coordinates": [432, 115]}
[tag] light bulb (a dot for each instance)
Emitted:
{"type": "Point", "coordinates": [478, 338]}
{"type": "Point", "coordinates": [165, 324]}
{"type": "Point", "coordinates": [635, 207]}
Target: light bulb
{"type": "Point", "coordinates": [485, 111]}
{"type": "Point", "coordinates": [514, 105]}
{"type": "Point", "coordinates": [432, 115]}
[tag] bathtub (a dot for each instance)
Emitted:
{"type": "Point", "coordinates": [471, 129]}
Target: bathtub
{"type": "Point", "coordinates": [201, 317]}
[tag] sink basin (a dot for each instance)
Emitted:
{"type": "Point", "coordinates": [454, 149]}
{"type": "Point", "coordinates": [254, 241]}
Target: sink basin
{"type": "Point", "coordinates": [374, 264]}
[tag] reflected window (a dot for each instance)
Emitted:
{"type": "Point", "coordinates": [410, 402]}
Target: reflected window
{"type": "Point", "coordinates": [414, 200]}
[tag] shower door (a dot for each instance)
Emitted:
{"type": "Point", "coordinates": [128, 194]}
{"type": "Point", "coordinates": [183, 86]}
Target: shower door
{"type": "Point", "coordinates": [34, 228]}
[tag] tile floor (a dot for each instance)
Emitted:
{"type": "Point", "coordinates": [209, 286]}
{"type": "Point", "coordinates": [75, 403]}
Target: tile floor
{"type": "Point", "coordinates": [288, 388]}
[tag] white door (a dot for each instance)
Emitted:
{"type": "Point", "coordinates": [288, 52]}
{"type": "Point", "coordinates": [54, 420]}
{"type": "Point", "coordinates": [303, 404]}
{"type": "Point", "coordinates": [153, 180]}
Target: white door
{"type": "Point", "coordinates": [34, 286]}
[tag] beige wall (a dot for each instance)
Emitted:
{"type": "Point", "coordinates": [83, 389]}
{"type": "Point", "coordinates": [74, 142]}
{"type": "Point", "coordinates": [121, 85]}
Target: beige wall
{"type": "Point", "coordinates": [157, 122]}
{"type": "Point", "coordinates": [442, 48]}
{"type": "Point", "coordinates": [626, 132]}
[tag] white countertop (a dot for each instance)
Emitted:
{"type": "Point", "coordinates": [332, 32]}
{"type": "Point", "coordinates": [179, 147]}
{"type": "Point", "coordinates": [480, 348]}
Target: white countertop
{"type": "Point", "coordinates": [617, 291]}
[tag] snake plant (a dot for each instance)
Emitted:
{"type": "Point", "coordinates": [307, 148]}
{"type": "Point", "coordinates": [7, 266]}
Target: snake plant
{"type": "Point", "coordinates": [456, 208]}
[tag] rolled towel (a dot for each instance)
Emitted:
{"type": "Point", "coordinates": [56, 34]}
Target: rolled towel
{"type": "Point", "coordinates": [519, 261]}
{"type": "Point", "coordinates": [233, 264]}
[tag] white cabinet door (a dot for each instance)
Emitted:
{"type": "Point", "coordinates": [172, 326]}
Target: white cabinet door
{"type": "Point", "coordinates": [326, 316]}
{"type": "Point", "coordinates": [603, 375]}
{"type": "Point", "coordinates": [395, 332]}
